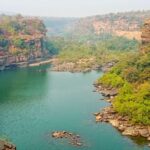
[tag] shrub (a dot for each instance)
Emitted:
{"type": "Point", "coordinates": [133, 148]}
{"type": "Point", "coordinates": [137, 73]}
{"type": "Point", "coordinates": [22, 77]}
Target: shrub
{"type": "Point", "coordinates": [111, 80]}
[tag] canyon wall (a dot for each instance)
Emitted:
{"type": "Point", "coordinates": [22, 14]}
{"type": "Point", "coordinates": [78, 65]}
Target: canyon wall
{"type": "Point", "coordinates": [22, 39]}
{"type": "Point", "coordinates": [145, 48]}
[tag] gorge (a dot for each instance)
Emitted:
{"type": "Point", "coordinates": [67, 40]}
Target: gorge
{"type": "Point", "coordinates": [36, 101]}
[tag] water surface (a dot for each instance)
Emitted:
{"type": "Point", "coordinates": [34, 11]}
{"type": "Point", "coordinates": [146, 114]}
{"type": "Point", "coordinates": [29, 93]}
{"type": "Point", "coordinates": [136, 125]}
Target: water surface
{"type": "Point", "coordinates": [34, 102]}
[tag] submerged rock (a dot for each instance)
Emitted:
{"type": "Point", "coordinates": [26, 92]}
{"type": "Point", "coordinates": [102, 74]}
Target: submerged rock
{"type": "Point", "coordinates": [73, 138]}
{"type": "Point", "coordinates": [4, 145]}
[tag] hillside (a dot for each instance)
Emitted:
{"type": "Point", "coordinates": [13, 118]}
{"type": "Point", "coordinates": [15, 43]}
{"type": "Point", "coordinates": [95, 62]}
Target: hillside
{"type": "Point", "coordinates": [125, 24]}
{"type": "Point", "coordinates": [131, 78]}
{"type": "Point", "coordinates": [22, 39]}
{"type": "Point", "coordinates": [58, 26]}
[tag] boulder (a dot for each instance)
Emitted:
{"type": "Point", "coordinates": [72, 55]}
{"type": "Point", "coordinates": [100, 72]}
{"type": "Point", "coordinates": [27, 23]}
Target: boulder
{"type": "Point", "coordinates": [144, 132]}
{"type": "Point", "coordinates": [5, 145]}
{"type": "Point", "coordinates": [73, 138]}
{"type": "Point", "coordinates": [98, 118]}
{"type": "Point", "coordinates": [96, 114]}
{"type": "Point", "coordinates": [114, 123]}
{"type": "Point", "coordinates": [58, 134]}
{"type": "Point", "coordinates": [130, 131]}
{"type": "Point", "coordinates": [121, 127]}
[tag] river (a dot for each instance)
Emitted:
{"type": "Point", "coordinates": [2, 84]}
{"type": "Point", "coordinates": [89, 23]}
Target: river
{"type": "Point", "coordinates": [36, 101]}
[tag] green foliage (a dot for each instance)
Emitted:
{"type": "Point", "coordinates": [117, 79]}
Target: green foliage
{"type": "Point", "coordinates": [4, 43]}
{"type": "Point", "coordinates": [132, 74]}
{"type": "Point", "coordinates": [19, 43]}
{"type": "Point", "coordinates": [72, 51]}
{"type": "Point", "coordinates": [121, 44]}
{"type": "Point", "coordinates": [111, 80]}
{"type": "Point", "coordinates": [21, 34]}
{"type": "Point", "coordinates": [75, 51]}
{"type": "Point", "coordinates": [135, 104]}
{"type": "Point", "coordinates": [50, 46]}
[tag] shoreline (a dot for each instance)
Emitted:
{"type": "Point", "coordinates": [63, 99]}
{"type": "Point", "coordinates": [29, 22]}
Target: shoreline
{"type": "Point", "coordinates": [82, 65]}
{"type": "Point", "coordinates": [37, 62]}
{"type": "Point", "coordinates": [70, 66]}
{"type": "Point", "coordinates": [44, 62]}
{"type": "Point", "coordinates": [122, 123]}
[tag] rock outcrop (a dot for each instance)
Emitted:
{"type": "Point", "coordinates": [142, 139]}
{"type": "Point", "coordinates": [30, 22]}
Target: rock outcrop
{"type": "Point", "coordinates": [72, 138]}
{"type": "Point", "coordinates": [22, 39]}
{"type": "Point", "coordinates": [122, 123]}
{"type": "Point", "coordinates": [82, 65]}
{"type": "Point", "coordinates": [146, 37]}
{"type": "Point", "coordinates": [4, 145]}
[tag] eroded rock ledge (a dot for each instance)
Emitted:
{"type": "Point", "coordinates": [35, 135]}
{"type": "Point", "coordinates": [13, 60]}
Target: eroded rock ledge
{"type": "Point", "coordinates": [82, 65]}
{"type": "Point", "coordinates": [4, 145]}
{"type": "Point", "coordinates": [72, 138]}
{"type": "Point", "coordinates": [122, 123]}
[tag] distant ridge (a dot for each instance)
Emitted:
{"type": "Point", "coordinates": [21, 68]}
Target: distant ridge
{"type": "Point", "coordinates": [127, 24]}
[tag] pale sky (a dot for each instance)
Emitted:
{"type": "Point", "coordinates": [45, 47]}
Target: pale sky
{"type": "Point", "coordinates": [71, 8]}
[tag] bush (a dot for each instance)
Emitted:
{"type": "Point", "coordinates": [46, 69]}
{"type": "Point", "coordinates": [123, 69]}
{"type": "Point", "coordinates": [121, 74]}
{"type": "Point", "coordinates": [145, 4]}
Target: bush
{"type": "Point", "coordinates": [111, 80]}
{"type": "Point", "coordinates": [134, 103]}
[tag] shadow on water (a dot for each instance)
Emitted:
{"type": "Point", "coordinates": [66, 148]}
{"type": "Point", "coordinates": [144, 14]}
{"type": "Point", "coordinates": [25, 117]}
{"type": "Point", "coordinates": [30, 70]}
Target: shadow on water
{"type": "Point", "coordinates": [141, 141]}
{"type": "Point", "coordinates": [20, 80]}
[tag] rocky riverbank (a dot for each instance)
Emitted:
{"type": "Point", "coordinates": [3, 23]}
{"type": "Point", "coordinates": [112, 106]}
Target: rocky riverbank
{"type": "Point", "coordinates": [36, 62]}
{"type": "Point", "coordinates": [39, 63]}
{"type": "Point", "coordinates": [122, 123]}
{"type": "Point", "coordinates": [82, 65]}
{"type": "Point", "coordinates": [4, 145]}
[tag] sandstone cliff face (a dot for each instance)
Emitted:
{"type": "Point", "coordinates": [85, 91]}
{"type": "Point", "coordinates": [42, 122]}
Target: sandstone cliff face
{"type": "Point", "coordinates": [119, 27]}
{"type": "Point", "coordinates": [22, 39]}
{"type": "Point", "coordinates": [146, 37]}
{"type": "Point", "coordinates": [126, 24]}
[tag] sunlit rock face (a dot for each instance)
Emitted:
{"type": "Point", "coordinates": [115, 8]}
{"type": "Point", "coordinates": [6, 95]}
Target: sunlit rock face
{"type": "Point", "coordinates": [146, 37]}
{"type": "Point", "coordinates": [22, 39]}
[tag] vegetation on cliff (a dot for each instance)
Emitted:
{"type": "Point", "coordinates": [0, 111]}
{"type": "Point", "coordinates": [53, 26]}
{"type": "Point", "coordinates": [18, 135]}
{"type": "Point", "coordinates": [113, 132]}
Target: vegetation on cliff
{"type": "Point", "coordinates": [92, 54]}
{"type": "Point", "coordinates": [127, 24]}
{"type": "Point", "coordinates": [22, 39]}
{"type": "Point", "coordinates": [131, 77]}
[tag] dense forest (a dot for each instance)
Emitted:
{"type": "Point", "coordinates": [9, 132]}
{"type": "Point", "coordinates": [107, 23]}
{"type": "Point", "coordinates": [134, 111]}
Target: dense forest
{"type": "Point", "coordinates": [92, 55]}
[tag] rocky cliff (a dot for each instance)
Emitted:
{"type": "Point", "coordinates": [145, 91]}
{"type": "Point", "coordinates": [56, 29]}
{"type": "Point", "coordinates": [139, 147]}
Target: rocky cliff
{"type": "Point", "coordinates": [22, 39]}
{"type": "Point", "coordinates": [127, 24]}
{"type": "Point", "coordinates": [146, 37]}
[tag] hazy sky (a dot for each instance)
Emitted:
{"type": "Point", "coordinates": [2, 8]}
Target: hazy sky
{"type": "Point", "coordinates": [71, 8]}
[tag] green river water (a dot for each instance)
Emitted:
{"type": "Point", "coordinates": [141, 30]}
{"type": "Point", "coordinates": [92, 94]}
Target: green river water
{"type": "Point", "coordinates": [34, 103]}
